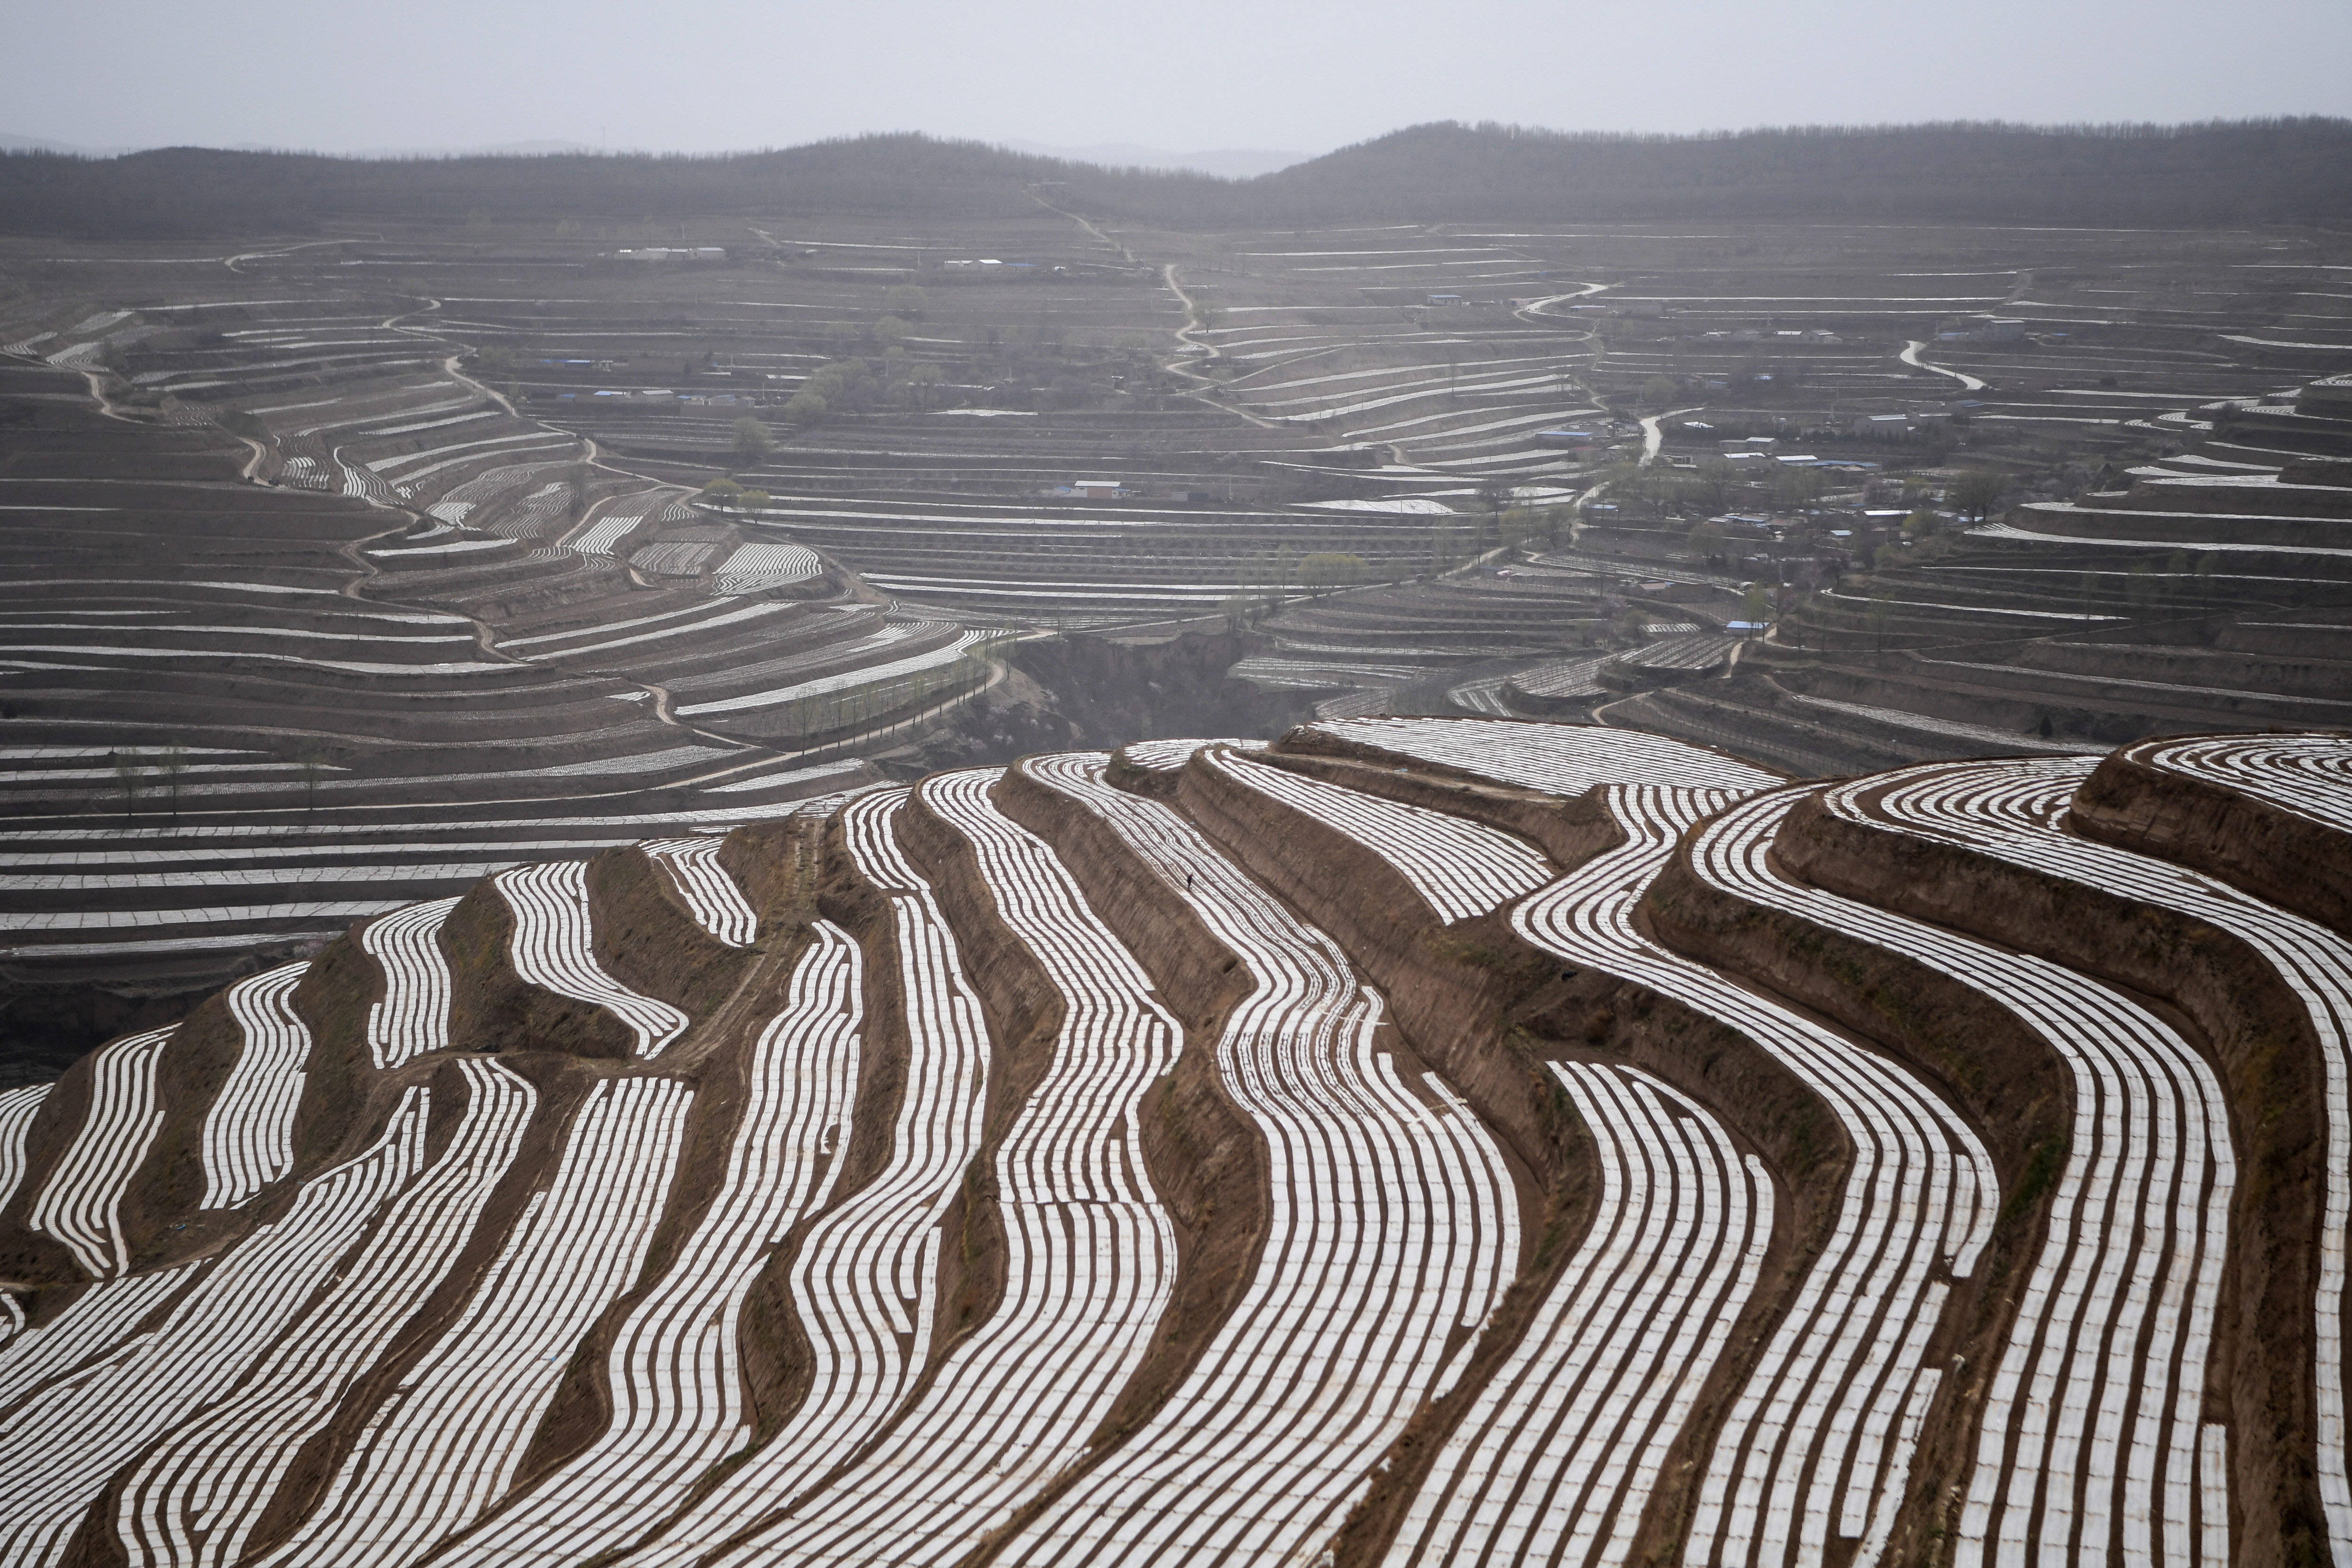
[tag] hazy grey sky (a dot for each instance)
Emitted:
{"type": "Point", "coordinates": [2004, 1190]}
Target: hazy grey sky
{"type": "Point", "coordinates": [1308, 75]}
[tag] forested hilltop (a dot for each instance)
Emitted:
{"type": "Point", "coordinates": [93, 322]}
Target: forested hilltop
{"type": "Point", "coordinates": [2297, 171]}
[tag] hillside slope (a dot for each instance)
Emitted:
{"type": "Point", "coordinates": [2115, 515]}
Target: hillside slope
{"type": "Point", "coordinates": [1417, 1141]}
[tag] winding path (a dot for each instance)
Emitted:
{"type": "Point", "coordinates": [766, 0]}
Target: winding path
{"type": "Point", "coordinates": [1910, 356]}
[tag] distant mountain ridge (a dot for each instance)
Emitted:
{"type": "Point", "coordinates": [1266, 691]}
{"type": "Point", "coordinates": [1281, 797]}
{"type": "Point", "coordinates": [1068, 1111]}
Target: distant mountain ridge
{"type": "Point", "coordinates": [1226, 162]}
{"type": "Point", "coordinates": [11, 141]}
{"type": "Point", "coordinates": [2295, 171]}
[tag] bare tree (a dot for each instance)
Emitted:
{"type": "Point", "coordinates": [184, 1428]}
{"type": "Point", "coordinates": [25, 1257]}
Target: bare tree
{"type": "Point", "coordinates": [312, 766]}
{"type": "Point", "coordinates": [173, 763]}
{"type": "Point", "coordinates": [132, 776]}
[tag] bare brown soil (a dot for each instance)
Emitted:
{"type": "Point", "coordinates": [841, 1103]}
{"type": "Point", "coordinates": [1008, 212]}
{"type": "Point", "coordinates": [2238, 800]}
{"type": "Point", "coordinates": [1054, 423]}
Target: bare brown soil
{"type": "Point", "coordinates": [334, 1000]}
{"type": "Point", "coordinates": [2291, 861]}
{"type": "Point", "coordinates": [1970, 1052]}
{"type": "Point", "coordinates": [493, 1008]}
{"type": "Point", "coordinates": [2255, 1029]}
{"type": "Point", "coordinates": [1489, 1011]}
{"type": "Point", "coordinates": [775, 863]}
{"type": "Point", "coordinates": [647, 939]}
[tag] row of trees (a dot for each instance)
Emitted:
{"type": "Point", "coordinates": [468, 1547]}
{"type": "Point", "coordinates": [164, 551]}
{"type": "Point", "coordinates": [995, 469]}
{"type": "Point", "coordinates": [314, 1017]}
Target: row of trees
{"type": "Point", "coordinates": [137, 773]}
{"type": "Point", "coordinates": [730, 496]}
{"type": "Point", "coordinates": [861, 385]}
{"type": "Point", "coordinates": [818, 718]}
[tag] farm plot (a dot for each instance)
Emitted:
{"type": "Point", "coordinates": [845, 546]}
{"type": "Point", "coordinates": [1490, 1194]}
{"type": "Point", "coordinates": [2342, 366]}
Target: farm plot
{"type": "Point", "coordinates": [1556, 1457]}
{"type": "Point", "coordinates": [554, 948]}
{"type": "Point", "coordinates": [1357, 1318]}
{"type": "Point", "coordinates": [249, 1130]}
{"type": "Point", "coordinates": [1816, 1447]}
{"type": "Point", "coordinates": [752, 567]}
{"type": "Point", "coordinates": [1562, 759]}
{"type": "Point", "coordinates": [470, 1405]}
{"type": "Point", "coordinates": [2058, 1458]}
{"type": "Point", "coordinates": [864, 1281]}
{"type": "Point", "coordinates": [2011, 810]}
{"type": "Point", "coordinates": [1091, 1256]}
{"type": "Point", "coordinates": [414, 1016]}
{"type": "Point", "coordinates": [2310, 776]}
{"type": "Point", "coordinates": [1460, 869]}
{"type": "Point", "coordinates": [673, 1369]}
{"type": "Point", "coordinates": [710, 892]}
{"type": "Point", "coordinates": [80, 1204]}
{"type": "Point", "coordinates": [195, 1497]}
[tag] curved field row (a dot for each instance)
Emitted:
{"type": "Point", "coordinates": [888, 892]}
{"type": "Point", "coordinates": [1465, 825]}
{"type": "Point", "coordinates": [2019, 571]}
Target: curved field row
{"type": "Point", "coordinates": [99, 1319]}
{"type": "Point", "coordinates": [865, 1282]}
{"type": "Point", "coordinates": [678, 1403]}
{"type": "Point", "coordinates": [1558, 1458]}
{"type": "Point", "coordinates": [1169, 756]}
{"type": "Point", "coordinates": [1092, 1257]}
{"type": "Point", "coordinates": [1564, 759]}
{"type": "Point", "coordinates": [470, 1407]}
{"type": "Point", "coordinates": [709, 894]}
{"type": "Point", "coordinates": [2086, 1437]}
{"type": "Point", "coordinates": [249, 1130]}
{"type": "Point", "coordinates": [80, 1204]}
{"type": "Point", "coordinates": [361, 1379]}
{"type": "Point", "coordinates": [2310, 775]}
{"type": "Point", "coordinates": [554, 948]}
{"type": "Point", "coordinates": [2010, 811]}
{"type": "Point", "coordinates": [59, 1448]}
{"type": "Point", "coordinates": [1462, 869]}
{"type": "Point", "coordinates": [196, 1498]}
{"type": "Point", "coordinates": [17, 1109]}
{"type": "Point", "coordinates": [1391, 1226]}
{"type": "Point", "coordinates": [1814, 1447]}
{"type": "Point", "coordinates": [414, 1016]}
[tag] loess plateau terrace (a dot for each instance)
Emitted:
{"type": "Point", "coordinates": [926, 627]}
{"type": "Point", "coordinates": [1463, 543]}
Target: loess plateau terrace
{"type": "Point", "coordinates": [1416, 1141]}
{"type": "Point", "coordinates": [343, 571]}
{"type": "Point", "coordinates": [606, 958]}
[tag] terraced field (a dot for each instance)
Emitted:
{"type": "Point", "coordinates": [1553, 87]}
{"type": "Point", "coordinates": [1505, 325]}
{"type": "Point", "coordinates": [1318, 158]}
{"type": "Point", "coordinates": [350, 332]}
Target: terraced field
{"type": "Point", "coordinates": [1418, 1140]}
{"type": "Point", "coordinates": [305, 622]}
{"type": "Point", "coordinates": [345, 574]}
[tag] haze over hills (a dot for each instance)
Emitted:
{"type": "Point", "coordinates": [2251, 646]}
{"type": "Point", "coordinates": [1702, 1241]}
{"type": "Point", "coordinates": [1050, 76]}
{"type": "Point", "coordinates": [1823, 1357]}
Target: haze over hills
{"type": "Point", "coordinates": [10, 143]}
{"type": "Point", "coordinates": [1231, 163]}
{"type": "Point", "coordinates": [2287, 171]}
